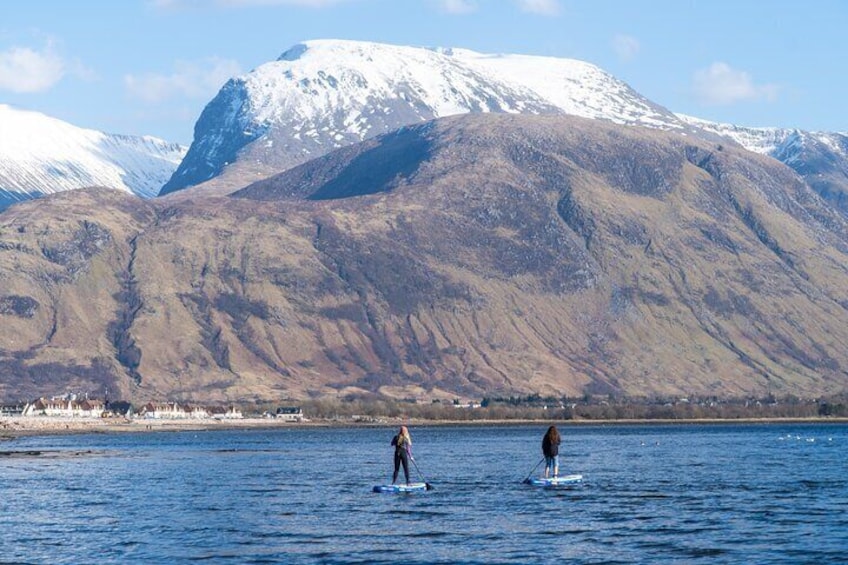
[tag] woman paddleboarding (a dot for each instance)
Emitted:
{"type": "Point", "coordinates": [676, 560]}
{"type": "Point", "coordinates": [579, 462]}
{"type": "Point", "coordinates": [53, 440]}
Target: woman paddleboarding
{"type": "Point", "coordinates": [403, 453]}
{"type": "Point", "coordinates": [550, 449]}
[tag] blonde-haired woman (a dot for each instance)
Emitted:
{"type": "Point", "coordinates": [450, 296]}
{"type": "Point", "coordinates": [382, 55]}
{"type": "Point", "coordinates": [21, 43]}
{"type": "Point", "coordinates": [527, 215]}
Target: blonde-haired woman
{"type": "Point", "coordinates": [403, 453]}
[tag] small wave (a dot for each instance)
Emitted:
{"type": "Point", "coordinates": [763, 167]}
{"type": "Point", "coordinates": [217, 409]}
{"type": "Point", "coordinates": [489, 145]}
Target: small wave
{"type": "Point", "coordinates": [429, 535]}
{"type": "Point", "coordinates": [699, 552]}
{"type": "Point", "coordinates": [417, 513]}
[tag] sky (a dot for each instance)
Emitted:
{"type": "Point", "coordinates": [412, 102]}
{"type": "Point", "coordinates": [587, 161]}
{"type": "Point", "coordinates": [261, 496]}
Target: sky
{"type": "Point", "coordinates": [149, 67]}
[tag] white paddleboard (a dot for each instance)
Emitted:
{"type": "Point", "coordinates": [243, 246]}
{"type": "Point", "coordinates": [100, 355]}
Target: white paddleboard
{"type": "Point", "coordinates": [411, 487]}
{"type": "Point", "coordinates": [563, 480]}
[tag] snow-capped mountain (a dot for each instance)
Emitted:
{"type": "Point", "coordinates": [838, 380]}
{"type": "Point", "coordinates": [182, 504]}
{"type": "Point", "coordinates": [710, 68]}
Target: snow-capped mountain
{"type": "Point", "coordinates": [820, 157]}
{"type": "Point", "coordinates": [783, 142]}
{"type": "Point", "coordinates": [42, 155]}
{"type": "Point", "coordinates": [325, 94]}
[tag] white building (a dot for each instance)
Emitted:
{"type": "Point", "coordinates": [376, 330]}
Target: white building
{"type": "Point", "coordinates": [65, 408]}
{"type": "Point", "coordinates": [290, 413]}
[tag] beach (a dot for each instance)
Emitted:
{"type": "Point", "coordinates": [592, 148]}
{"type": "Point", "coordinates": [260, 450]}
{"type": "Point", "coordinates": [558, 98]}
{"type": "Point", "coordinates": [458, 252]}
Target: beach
{"type": "Point", "coordinates": [18, 426]}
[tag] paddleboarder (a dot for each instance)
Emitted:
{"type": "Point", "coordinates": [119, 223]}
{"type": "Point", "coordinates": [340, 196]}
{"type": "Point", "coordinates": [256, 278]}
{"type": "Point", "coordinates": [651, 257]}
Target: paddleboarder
{"type": "Point", "coordinates": [403, 453]}
{"type": "Point", "coordinates": [550, 449]}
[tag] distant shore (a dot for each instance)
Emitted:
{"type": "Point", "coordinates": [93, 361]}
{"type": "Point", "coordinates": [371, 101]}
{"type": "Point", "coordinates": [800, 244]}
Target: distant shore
{"type": "Point", "coordinates": [18, 426]}
{"type": "Point", "coordinates": [12, 427]}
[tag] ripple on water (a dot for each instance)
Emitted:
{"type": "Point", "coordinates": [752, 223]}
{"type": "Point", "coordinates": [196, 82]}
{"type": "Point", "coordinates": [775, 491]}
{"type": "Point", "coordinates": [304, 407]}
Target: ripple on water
{"type": "Point", "coordinates": [691, 494]}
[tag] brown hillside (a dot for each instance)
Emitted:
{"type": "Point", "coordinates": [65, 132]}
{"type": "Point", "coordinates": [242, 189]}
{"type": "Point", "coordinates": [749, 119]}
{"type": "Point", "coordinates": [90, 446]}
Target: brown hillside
{"type": "Point", "coordinates": [475, 255]}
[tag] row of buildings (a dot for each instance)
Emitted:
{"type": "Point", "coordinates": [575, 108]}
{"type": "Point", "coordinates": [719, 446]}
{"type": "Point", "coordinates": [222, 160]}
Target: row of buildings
{"type": "Point", "coordinates": [177, 411]}
{"type": "Point", "coordinates": [86, 408]}
{"type": "Point", "coordinates": [72, 407]}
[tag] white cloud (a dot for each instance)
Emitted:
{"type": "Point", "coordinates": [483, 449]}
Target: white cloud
{"type": "Point", "coordinates": [720, 84]}
{"type": "Point", "coordinates": [190, 79]}
{"type": "Point", "coordinates": [626, 47]}
{"type": "Point", "coordinates": [457, 6]}
{"type": "Point", "coordinates": [24, 70]}
{"type": "Point", "coordinates": [543, 7]}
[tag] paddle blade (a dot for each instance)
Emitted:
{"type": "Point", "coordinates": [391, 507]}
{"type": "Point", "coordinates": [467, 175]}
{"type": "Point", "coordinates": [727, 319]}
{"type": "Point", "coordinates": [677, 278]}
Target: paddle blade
{"type": "Point", "coordinates": [428, 486]}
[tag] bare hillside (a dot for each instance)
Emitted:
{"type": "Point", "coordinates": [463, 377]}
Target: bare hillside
{"type": "Point", "coordinates": [479, 254]}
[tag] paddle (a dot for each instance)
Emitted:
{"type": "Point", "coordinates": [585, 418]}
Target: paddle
{"type": "Point", "coordinates": [527, 480]}
{"type": "Point", "coordinates": [426, 484]}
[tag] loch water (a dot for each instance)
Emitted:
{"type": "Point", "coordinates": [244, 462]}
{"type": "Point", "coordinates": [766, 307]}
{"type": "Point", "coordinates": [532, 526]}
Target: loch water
{"type": "Point", "coordinates": [693, 493]}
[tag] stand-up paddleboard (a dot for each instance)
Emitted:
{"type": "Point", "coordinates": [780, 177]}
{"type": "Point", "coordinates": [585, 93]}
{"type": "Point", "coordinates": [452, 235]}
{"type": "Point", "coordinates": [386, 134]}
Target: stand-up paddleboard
{"type": "Point", "coordinates": [561, 481]}
{"type": "Point", "coordinates": [411, 487]}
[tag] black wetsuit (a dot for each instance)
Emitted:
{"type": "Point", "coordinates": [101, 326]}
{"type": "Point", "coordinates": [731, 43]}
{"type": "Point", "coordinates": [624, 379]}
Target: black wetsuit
{"type": "Point", "coordinates": [401, 457]}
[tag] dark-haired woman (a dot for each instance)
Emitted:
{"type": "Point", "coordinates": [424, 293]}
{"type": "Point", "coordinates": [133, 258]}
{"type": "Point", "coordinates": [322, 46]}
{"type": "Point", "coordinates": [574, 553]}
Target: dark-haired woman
{"type": "Point", "coordinates": [550, 448]}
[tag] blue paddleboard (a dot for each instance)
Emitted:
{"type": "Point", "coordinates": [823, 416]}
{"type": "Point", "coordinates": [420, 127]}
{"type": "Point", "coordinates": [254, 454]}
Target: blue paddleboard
{"type": "Point", "coordinates": [411, 487]}
{"type": "Point", "coordinates": [561, 481]}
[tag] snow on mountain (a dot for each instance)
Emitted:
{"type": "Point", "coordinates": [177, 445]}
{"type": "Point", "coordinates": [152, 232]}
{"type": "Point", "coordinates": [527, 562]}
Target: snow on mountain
{"type": "Point", "coordinates": [41, 155]}
{"type": "Point", "coordinates": [437, 82]}
{"type": "Point", "coordinates": [324, 94]}
{"type": "Point", "coordinates": [820, 157]}
{"type": "Point", "coordinates": [763, 140]}
{"type": "Point", "coordinates": [773, 141]}
{"type": "Point", "coordinates": [573, 87]}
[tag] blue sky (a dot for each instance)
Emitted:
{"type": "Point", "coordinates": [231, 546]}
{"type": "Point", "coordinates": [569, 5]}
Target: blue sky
{"type": "Point", "coordinates": [148, 67]}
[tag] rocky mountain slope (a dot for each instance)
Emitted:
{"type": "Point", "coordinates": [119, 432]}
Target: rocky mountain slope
{"type": "Point", "coordinates": [820, 157]}
{"type": "Point", "coordinates": [475, 255]}
{"type": "Point", "coordinates": [42, 155]}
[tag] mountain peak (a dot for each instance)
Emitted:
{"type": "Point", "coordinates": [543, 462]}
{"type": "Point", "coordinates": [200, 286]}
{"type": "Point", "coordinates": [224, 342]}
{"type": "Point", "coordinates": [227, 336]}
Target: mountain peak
{"type": "Point", "coordinates": [327, 93]}
{"type": "Point", "coordinates": [324, 94]}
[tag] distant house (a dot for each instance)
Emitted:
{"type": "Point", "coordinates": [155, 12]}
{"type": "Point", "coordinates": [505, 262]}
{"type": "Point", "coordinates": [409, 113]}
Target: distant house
{"type": "Point", "coordinates": [165, 411]}
{"type": "Point", "coordinates": [66, 408]}
{"type": "Point", "coordinates": [89, 408]}
{"type": "Point", "coordinates": [290, 413]}
{"type": "Point", "coordinates": [222, 413]}
{"type": "Point", "coordinates": [469, 405]}
{"type": "Point", "coordinates": [197, 412]}
{"type": "Point", "coordinates": [12, 409]}
{"type": "Point", "coordinates": [177, 411]}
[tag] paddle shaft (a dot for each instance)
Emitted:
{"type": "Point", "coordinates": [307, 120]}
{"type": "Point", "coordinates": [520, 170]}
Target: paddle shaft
{"type": "Point", "coordinates": [420, 473]}
{"type": "Point", "coordinates": [534, 468]}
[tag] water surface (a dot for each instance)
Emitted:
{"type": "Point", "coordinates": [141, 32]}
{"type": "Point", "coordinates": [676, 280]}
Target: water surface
{"type": "Point", "coordinates": [652, 494]}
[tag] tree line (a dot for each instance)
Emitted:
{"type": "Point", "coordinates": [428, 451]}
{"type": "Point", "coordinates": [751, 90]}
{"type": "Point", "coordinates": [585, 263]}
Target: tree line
{"type": "Point", "coordinates": [536, 407]}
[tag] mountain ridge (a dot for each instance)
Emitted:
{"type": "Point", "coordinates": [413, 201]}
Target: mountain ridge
{"type": "Point", "coordinates": [323, 94]}
{"type": "Point", "coordinates": [43, 155]}
{"type": "Point", "coordinates": [820, 157]}
{"type": "Point", "coordinates": [510, 254]}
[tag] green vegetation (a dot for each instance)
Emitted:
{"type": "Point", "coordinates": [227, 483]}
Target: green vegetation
{"type": "Point", "coordinates": [536, 407]}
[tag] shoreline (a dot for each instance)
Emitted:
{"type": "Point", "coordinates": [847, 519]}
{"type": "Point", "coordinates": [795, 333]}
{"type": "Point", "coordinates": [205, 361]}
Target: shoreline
{"type": "Point", "coordinates": [13, 427]}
